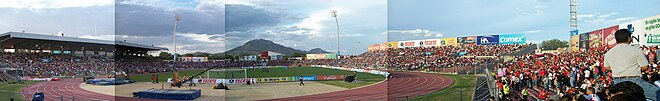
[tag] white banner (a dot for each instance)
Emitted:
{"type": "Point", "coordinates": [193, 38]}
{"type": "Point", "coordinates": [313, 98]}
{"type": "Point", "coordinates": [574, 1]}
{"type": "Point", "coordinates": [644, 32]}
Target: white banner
{"type": "Point", "coordinates": [216, 81]}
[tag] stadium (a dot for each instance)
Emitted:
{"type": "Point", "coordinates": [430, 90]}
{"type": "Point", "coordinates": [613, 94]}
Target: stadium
{"type": "Point", "coordinates": [258, 53]}
{"type": "Point", "coordinates": [76, 70]}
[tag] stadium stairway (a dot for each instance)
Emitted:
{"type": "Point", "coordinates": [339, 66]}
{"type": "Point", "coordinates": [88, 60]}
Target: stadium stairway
{"type": "Point", "coordinates": [528, 50]}
{"type": "Point", "coordinates": [481, 91]}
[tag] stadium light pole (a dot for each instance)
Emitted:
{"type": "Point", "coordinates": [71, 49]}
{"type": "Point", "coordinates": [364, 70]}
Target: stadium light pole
{"type": "Point", "coordinates": [334, 15]}
{"type": "Point", "coordinates": [176, 21]}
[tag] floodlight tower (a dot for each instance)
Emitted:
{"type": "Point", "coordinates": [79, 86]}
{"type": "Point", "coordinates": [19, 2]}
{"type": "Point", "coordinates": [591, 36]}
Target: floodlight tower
{"type": "Point", "coordinates": [573, 22]}
{"type": "Point", "coordinates": [334, 14]}
{"type": "Point", "coordinates": [176, 21]}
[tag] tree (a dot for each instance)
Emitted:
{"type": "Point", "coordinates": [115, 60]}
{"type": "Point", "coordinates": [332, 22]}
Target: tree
{"type": "Point", "coordinates": [554, 44]}
{"type": "Point", "coordinates": [165, 55]}
{"type": "Point", "coordinates": [297, 54]}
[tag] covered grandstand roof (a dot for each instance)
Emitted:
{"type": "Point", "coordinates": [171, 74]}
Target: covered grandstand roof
{"type": "Point", "coordinates": [10, 35]}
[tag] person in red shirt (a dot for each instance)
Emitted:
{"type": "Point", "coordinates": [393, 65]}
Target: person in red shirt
{"type": "Point", "coordinates": [153, 78]}
{"type": "Point", "coordinates": [542, 95]}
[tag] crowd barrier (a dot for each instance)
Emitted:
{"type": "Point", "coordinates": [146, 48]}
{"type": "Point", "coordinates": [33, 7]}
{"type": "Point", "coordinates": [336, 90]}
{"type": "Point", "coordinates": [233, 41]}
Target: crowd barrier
{"type": "Point", "coordinates": [384, 73]}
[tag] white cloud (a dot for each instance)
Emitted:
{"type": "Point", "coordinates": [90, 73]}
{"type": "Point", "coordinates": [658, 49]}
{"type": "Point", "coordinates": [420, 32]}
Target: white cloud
{"type": "Point", "coordinates": [536, 7]}
{"type": "Point", "coordinates": [532, 31]}
{"type": "Point", "coordinates": [602, 18]}
{"type": "Point", "coordinates": [624, 19]}
{"type": "Point", "coordinates": [204, 37]}
{"type": "Point", "coordinates": [316, 22]}
{"type": "Point", "coordinates": [99, 37]}
{"type": "Point", "coordinates": [46, 4]}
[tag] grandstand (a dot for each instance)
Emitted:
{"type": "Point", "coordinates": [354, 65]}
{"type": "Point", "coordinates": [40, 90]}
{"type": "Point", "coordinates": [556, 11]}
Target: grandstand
{"type": "Point", "coordinates": [19, 42]}
{"type": "Point", "coordinates": [47, 55]}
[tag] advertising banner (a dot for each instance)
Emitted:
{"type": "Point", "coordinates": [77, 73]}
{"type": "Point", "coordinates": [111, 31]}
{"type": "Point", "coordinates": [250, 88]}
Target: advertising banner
{"type": "Point", "coordinates": [637, 30]}
{"type": "Point", "coordinates": [376, 47]}
{"type": "Point", "coordinates": [652, 29]}
{"type": "Point", "coordinates": [513, 39]}
{"type": "Point", "coordinates": [316, 56]}
{"type": "Point", "coordinates": [330, 56]}
{"type": "Point", "coordinates": [429, 43]}
{"type": "Point", "coordinates": [305, 78]}
{"type": "Point", "coordinates": [608, 36]}
{"type": "Point", "coordinates": [330, 77]}
{"type": "Point", "coordinates": [575, 40]}
{"type": "Point", "coordinates": [448, 42]}
{"type": "Point", "coordinates": [392, 45]}
{"type": "Point", "coordinates": [369, 48]}
{"type": "Point", "coordinates": [595, 38]}
{"type": "Point", "coordinates": [406, 44]}
{"type": "Point", "coordinates": [461, 40]}
{"type": "Point", "coordinates": [488, 40]}
{"type": "Point", "coordinates": [574, 32]}
{"type": "Point", "coordinates": [471, 40]}
{"type": "Point", "coordinates": [382, 46]}
{"type": "Point", "coordinates": [224, 81]}
{"type": "Point", "coordinates": [584, 41]}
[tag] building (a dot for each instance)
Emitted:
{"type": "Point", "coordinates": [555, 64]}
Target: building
{"type": "Point", "coordinates": [19, 42]}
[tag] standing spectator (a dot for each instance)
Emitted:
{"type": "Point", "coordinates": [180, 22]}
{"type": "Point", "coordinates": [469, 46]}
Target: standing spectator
{"type": "Point", "coordinates": [626, 62]}
{"type": "Point", "coordinates": [153, 78]}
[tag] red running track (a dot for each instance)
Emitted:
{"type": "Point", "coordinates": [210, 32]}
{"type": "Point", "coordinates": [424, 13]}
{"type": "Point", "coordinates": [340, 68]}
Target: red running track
{"type": "Point", "coordinates": [403, 84]}
{"type": "Point", "coordinates": [71, 87]}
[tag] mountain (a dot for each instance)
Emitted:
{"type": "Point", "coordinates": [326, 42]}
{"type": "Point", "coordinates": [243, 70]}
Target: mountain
{"type": "Point", "coordinates": [255, 47]}
{"type": "Point", "coordinates": [317, 51]}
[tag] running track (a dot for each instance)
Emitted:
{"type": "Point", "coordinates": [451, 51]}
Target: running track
{"type": "Point", "coordinates": [70, 87]}
{"type": "Point", "coordinates": [403, 84]}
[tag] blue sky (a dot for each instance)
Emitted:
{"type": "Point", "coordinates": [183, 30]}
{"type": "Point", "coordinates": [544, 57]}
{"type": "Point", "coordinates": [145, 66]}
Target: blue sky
{"type": "Point", "coordinates": [147, 22]}
{"type": "Point", "coordinates": [539, 19]}
{"type": "Point", "coordinates": [307, 24]}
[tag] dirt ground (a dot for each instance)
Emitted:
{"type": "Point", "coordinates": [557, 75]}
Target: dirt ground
{"type": "Point", "coordinates": [259, 91]}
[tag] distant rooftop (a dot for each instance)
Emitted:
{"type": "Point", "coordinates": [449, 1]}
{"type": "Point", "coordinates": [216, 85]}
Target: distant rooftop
{"type": "Point", "coordinates": [75, 39]}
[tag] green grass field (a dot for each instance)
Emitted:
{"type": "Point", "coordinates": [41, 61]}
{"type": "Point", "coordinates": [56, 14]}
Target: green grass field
{"type": "Point", "coordinates": [452, 93]}
{"type": "Point", "coordinates": [7, 91]}
{"type": "Point", "coordinates": [364, 78]}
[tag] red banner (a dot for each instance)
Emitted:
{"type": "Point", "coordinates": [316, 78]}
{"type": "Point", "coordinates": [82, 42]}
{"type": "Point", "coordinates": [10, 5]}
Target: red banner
{"type": "Point", "coordinates": [608, 36]}
{"type": "Point", "coordinates": [595, 39]}
{"type": "Point", "coordinates": [329, 77]}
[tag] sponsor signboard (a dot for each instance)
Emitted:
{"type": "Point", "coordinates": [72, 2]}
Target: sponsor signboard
{"type": "Point", "coordinates": [369, 48]}
{"type": "Point", "coordinates": [392, 45]}
{"type": "Point", "coordinates": [330, 56]}
{"type": "Point", "coordinates": [574, 32]}
{"type": "Point", "coordinates": [488, 40]}
{"type": "Point", "coordinates": [584, 41]}
{"type": "Point", "coordinates": [595, 38]}
{"type": "Point", "coordinates": [448, 42]}
{"type": "Point", "coordinates": [317, 56]}
{"type": "Point", "coordinates": [429, 42]}
{"type": "Point", "coordinates": [406, 44]}
{"type": "Point", "coordinates": [575, 40]}
{"type": "Point", "coordinates": [461, 40]}
{"type": "Point", "coordinates": [305, 78]}
{"type": "Point", "coordinates": [471, 40]}
{"type": "Point", "coordinates": [513, 39]}
{"type": "Point", "coordinates": [637, 30]}
{"type": "Point", "coordinates": [382, 46]}
{"type": "Point", "coordinates": [608, 36]}
{"type": "Point", "coordinates": [652, 30]}
{"type": "Point", "coordinates": [224, 81]}
{"type": "Point", "coordinates": [330, 77]}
